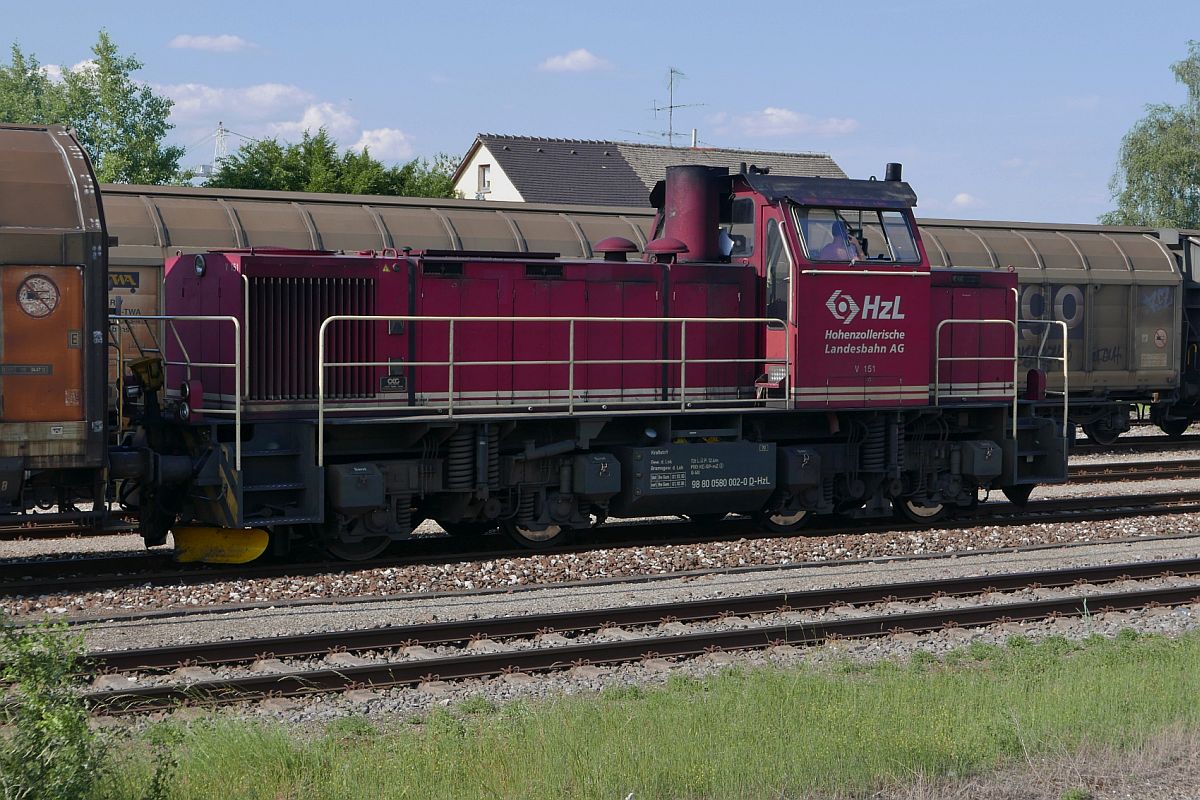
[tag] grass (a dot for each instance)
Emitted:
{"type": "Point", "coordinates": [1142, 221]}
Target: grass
{"type": "Point", "coordinates": [758, 734]}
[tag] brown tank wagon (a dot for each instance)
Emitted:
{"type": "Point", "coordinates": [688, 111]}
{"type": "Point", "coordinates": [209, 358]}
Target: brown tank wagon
{"type": "Point", "coordinates": [1122, 294]}
{"type": "Point", "coordinates": [53, 262]}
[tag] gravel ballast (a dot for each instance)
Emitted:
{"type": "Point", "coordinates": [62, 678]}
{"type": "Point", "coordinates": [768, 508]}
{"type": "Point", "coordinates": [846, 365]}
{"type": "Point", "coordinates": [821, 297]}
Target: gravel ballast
{"type": "Point", "coordinates": [538, 569]}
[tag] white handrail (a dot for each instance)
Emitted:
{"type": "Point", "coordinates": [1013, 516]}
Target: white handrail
{"type": "Point", "coordinates": [1062, 359]}
{"type": "Point", "coordinates": [938, 359]}
{"type": "Point", "coordinates": [188, 364]}
{"type": "Point", "coordinates": [571, 362]}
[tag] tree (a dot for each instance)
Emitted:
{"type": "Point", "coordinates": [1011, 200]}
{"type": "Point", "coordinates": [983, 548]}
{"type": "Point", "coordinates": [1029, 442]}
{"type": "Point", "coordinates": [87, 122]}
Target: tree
{"type": "Point", "coordinates": [424, 179]}
{"type": "Point", "coordinates": [1157, 180]}
{"type": "Point", "coordinates": [27, 95]}
{"type": "Point", "coordinates": [120, 123]}
{"type": "Point", "coordinates": [314, 165]}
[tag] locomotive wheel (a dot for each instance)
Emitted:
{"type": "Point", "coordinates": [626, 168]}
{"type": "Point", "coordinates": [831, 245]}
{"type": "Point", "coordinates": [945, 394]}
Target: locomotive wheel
{"type": "Point", "coordinates": [919, 511]}
{"type": "Point", "coordinates": [704, 520]}
{"type": "Point", "coordinates": [467, 528]}
{"type": "Point", "coordinates": [369, 547]}
{"type": "Point", "coordinates": [1100, 434]}
{"type": "Point", "coordinates": [548, 536]}
{"type": "Point", "coordinates": [1175, 427]}
{"type": "Point", "coordinates": [1018, 495]}
{"type": "Point", "coordinates": [782, 521]}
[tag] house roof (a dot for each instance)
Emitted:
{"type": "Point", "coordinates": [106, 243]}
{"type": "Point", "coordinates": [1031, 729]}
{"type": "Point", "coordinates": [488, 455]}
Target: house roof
{"type": "Point", "coordinates": [587, 171]}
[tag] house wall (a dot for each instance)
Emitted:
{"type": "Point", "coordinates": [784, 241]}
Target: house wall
{"type": "Point", "coordinates": [468, 183]}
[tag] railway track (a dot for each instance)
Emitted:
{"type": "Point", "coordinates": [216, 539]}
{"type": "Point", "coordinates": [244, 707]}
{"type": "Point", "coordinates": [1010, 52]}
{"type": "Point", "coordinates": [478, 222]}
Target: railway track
{"type": "Point", "coordinates": [1134, 471]}
{"type": "Point", "coordinates": [50, 576]}
{"type": "Point", "coordinates": [38, 529]}
{"type": "Point", "coordinates": [408, 660]}
{"type": "Point", "coordinates": [1138, 444]}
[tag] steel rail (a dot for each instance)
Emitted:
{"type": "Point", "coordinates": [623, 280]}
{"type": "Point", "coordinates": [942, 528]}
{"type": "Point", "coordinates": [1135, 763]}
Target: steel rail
{"type": "Point", "coordinates": [1130, 471]}
{"type": "Point", "coordinates": [395, 636]}
{"type": "Point", "coordinates": [1138, 444]}
{"type": "Point", "coordinates": [459, 667]}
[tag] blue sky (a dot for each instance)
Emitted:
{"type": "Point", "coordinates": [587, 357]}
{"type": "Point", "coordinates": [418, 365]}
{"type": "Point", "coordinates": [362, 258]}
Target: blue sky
{"type": "Point", "coordinates": [1002, 110]}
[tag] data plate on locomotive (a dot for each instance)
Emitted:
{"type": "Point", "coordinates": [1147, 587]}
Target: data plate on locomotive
{"type": "Point", "coordinates": [695, 478]}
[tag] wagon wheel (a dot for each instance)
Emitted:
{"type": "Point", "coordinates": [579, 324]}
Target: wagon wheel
{"type": "Point", "coordinates": [1175, 427]}
{"type": "Point", "coordinates": [920, 511]}
{"type": "Point", "coordinates": [782, 522]}
{"type": "Point", "coordinates": [368, 547]}
{"type": "Point", "coordinates": [1100, 433]}
{"type": "Point", "coordinates": [536, 537]}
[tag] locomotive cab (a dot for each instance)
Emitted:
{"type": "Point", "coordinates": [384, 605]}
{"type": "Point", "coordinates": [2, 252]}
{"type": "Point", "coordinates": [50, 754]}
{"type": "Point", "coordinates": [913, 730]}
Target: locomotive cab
{"type": "Point", "coordinates": [861, 329]}
{"type": "Point", "coordinates": [842, 273]}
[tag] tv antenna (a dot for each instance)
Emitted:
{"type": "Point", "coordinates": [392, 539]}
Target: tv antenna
{"type": "Point", "coordinates": [220, 139]}
{"type": "Point", "coordinates": [673, 75]}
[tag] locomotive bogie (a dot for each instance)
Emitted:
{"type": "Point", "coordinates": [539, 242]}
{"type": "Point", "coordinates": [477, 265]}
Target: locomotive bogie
{"type": "Point", "coordinates": [540, 488]}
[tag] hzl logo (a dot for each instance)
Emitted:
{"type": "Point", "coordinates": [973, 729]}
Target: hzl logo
{"type": "Point", "coordinates": [845, 310]}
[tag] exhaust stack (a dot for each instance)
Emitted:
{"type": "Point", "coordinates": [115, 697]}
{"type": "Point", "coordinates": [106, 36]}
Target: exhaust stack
{"type": "Point", "coordinates": [690, 210]}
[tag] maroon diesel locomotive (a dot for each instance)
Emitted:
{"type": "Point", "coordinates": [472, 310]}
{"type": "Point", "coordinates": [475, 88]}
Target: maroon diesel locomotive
{"type": "Point", "coordinates": [784, 350]}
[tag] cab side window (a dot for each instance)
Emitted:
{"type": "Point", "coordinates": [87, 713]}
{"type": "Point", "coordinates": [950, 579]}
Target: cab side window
{"type": "Point", "coordinates": [741, 227]}
{"type": "Point", "coordinates": [779, 273]}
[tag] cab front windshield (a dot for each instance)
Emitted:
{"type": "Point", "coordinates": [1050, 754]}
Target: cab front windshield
{"type": "Point", "coordinates": [852, 235]}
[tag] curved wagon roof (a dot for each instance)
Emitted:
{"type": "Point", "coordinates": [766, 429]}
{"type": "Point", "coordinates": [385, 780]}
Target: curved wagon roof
{"type": "Point", "coordinates": [50, 204]}
{"type": "Point", "coordinates": [152, 222]}
{"type": "Point", "coordinates": [1095, 253]}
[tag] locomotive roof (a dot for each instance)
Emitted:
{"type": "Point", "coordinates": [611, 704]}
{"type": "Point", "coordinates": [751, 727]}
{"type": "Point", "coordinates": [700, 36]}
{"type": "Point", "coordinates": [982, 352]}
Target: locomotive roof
{"type": "Point", "coordinates": [837, 191]}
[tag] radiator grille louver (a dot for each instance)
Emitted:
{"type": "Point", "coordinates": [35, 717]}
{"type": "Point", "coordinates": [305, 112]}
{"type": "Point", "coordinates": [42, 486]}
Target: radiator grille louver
{"type": "Point", "coordinates": [285, 316]}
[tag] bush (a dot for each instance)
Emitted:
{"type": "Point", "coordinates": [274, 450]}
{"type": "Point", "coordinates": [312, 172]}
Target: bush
{"type": "Point", "coordinates": [47, 749]}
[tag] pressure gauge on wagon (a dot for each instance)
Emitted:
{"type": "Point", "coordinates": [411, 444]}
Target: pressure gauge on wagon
{"type": "Point", "coordinates": [38, 296]}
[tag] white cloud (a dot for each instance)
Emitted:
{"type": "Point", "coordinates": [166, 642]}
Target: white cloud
{"type": "Point", "coordinates": [580, 60]}
{"type": "Point", "coordinates": [774, 121]}
{"type": "Point", "coordinates": [340, 124]}
{"type": "Point", "coordinates": [55, 71]}
{"type": "Point", "coordinates": [275, 110]}
{"type": "Point", "coordinates": [197, 101]}
{"type": "Point", "coordinates": [225, 43]}
{"type": "Point", "coordinates": [1015, 162]}
{"type": "Point", "coordinates": [964, 200]}
{"type": "Point", "coordinates": [385, 144]}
